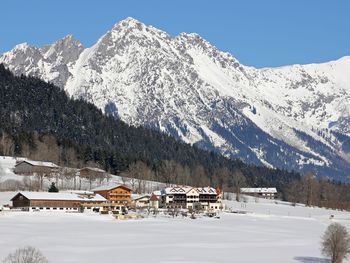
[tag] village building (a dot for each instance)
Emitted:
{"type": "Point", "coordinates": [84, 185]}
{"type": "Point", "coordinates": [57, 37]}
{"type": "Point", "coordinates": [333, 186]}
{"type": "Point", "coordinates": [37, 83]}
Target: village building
{"type": "Point", "coordinates": [29, 167]}
{"type": "Point", "coordinates": [210, 198]}
{"type": "Point", "coordinates": [267, 193]}
{"type": "Point", "coordinates": [192, 197]}
{"type": "Point", "coordinates": [206, 198]}
{"type": "Point", "coordinates": [155, 201]}
{"type": "Point", "coordinates": [115, 193]}
{"type": "Point", "coordinates": [140, 201]}
{"type": "Point", "coordinates": [175, 196]}
{"type": "Point", "coordinates": [46, 201]}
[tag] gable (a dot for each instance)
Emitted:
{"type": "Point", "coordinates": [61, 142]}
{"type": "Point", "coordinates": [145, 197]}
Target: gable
{"type": "Point", "coordinates": [19, 196]}
{"type": "Point", "coordinates": [120, 189]}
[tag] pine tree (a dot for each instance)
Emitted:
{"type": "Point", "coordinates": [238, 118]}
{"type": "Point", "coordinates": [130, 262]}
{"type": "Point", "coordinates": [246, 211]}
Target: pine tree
{"type": "Point", "coordinates": [53, 188]}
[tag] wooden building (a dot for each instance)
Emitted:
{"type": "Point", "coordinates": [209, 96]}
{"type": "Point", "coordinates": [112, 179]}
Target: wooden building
{"type": "Point", "coordinates": [116, 193]}
{"type": "Point", "coordinates": [37, 201]}
{"type": "Point", "coordinates": [29, 167]}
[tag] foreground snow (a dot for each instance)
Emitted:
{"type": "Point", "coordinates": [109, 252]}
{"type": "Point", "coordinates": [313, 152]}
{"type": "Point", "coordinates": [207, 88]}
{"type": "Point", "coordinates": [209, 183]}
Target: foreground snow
{"type": "Point", "coordinates": [269, 232]}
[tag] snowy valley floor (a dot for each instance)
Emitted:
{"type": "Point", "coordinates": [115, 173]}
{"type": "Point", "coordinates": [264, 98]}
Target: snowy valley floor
{"type": "Point", "coordinates": [269, 232]}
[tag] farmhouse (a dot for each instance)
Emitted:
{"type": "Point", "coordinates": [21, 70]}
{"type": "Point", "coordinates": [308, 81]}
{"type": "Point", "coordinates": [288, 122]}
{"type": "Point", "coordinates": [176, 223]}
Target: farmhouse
{"type": "Point", "coordinates": [268, 193]}
{"type": "Point", "coordinates": [29, 167]}
{"type": "Point", "coordinates": [36, 201]}
{"type": "Point", "coordinates": [115, 193]}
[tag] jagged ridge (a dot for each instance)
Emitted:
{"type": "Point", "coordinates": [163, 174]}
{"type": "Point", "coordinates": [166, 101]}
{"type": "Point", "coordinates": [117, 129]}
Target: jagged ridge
{"type": "Point", "coordinates": [287, 117]}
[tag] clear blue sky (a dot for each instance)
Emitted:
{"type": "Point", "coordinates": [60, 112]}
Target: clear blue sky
{"type": "Point", "coordinates": [257, 32]}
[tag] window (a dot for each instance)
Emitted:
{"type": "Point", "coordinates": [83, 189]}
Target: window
{"type": "Point", "coordinates": [55, 208]}
{"type": "Point", "coordinates": [61, 208]}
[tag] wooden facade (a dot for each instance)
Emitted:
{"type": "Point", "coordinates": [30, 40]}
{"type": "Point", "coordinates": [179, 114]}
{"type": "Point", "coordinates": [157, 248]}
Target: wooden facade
{"type": "Point", "coordinates": [25, 201]}
{"type": "Point", "coordinates": [20, 201]}
{"type": "Point", "coordinates": [119, 194]}
{"type": "Point", "coordinates": [31, 167]}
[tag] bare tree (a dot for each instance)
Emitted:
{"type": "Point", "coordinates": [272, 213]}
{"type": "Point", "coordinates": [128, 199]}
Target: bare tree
{"type": "Point", "coordinates": [139, 173]}
{"type": "Point", "coordinates": [311, 189]}
{"type": "Point", "coordinates": [29, 184]}
{"type": "Point", "coordinates": [2, 172]}
{"type": "Point", "coordinates": [200, 176]}
{"type": "Point", "coordinates": [11, 185]}
{"type": "Point", "coordinates": [336, 243]}
{"type": "Point", "coordinates": [238, 181]}
{"type": "Point", "coordinates": [124, 179]}
{"type": "Point", "coordinates": [26, 255]}
{"type": "Point", "coordinates": [167, 172]}
{"type": "Point", "coordinates": [7, 145]}
{"type": "Point", "coordinates": [221, 179]}
{"type": "Point", "coordinates": [294, 192]}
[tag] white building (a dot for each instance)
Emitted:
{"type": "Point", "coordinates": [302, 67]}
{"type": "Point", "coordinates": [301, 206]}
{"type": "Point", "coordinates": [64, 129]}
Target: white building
{"type": "Point", "coordinates": [190, 197]}
{"type": "Point", "coordinates": [268, 193]}
{"type": "Point", "coordinates": [140, 200]}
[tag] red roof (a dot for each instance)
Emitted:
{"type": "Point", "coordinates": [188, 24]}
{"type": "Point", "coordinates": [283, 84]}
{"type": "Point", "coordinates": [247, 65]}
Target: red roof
{"type": "Point", "coordinates": [154, 198]}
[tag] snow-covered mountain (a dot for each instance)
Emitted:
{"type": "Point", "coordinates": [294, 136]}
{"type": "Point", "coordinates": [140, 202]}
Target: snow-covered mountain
{"type": "Point", "coordinates": [293, 117]}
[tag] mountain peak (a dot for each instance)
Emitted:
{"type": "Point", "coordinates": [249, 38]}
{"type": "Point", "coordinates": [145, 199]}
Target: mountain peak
{"type": "Point", "coordinates": [68, 40]}
{"type": "Point", "coordinates": [128, 22]}
{"type": "Point", "coordinates": [22, 46]}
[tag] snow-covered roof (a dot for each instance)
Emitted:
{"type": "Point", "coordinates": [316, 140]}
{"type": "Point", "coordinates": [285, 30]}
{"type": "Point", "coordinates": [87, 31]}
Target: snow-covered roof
{"type": "Point", "coordinates": [81, 192]}
{"type": "Point", "coordinates": [177, 190]}
{"type": "Point", "coordinates": [94, 169]}
{"type": "Point", "coordinates": [109, 187]}
{"type": "Point", "coordinates": [61, 196]}
{"type": "Point", "coordinates": [259, 190]}
{"type": "Point", "coordinates": [154, 197]}
{"type": "Point", "coordinates": [186, 189]}
{"type": "Point", "coordinates": [138, 197]}
{"type": "Point", "coordinates": [206, 190]}
{"type": "Point", "coordinates": [157, 193]}
{"type": "Point", "coordinates": [39, 163]}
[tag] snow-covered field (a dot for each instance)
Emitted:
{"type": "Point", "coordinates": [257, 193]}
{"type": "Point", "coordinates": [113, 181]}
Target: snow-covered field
{"type": "Point", "coordinates": [269, 232]}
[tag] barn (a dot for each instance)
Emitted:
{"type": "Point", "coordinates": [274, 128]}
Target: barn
{"type": "Point", "coordinates": [29, 167]}
{"type": "Point", "coordinates": [45, 201]}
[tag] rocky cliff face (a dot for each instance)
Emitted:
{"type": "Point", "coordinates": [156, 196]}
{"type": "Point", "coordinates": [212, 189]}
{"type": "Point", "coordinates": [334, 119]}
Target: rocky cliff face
{"type": "Point", "coordinates": [293, 117]}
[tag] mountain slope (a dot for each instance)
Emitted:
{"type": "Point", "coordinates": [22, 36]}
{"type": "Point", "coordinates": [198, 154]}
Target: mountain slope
{"type": "Point", "coordinates": [295, 117]}
{"type": "Point", "coordinates": [34, 124]}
